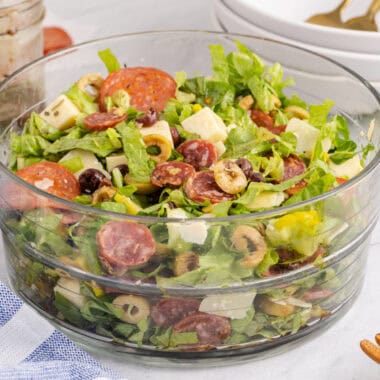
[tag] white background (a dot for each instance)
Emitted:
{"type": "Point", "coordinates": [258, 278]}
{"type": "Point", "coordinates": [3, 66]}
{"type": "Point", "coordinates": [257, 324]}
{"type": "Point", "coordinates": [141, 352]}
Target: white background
{"type": "Point", "coordinates": [334, 354]}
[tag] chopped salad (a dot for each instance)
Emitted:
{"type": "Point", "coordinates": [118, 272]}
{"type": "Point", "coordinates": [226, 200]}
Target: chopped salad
{"type": "Point", "coordinates": [141, 142]}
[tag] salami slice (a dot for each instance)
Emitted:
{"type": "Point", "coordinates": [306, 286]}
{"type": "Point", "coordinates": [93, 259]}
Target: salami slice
{"type": "Point", "coordinates": [149, 88]}
{"type": "Point", "coordinates": [99, 121]}
{"type": "Point", "coordinates": [122, 245]}
{"type": "Point", "coordinates": [202, 186]}
{"type": "Point", "coordinates": [172, 174]}
{"type": "Point", "coordinates": [293, 166]}
{"type": "Point", "coordinates": [199, 153]}
{"type": "Point", "coordinates": [169, 311]}
{"type": "Point", "coordinates": [210, 329]}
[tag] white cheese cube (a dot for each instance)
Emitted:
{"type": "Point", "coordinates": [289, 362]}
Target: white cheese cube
{"type": "Point", "coordinates": [88, 159]}
{"type": "Point", "coordinates": [207, 124]}
{"type": "Point", "coordinates": [113, 161]}
{"type": "Point", "coordinates": [61, 113]}
{"type": "Point", "coordinates": [347, 169]}
{"type": "Point", "coordinates": [220, 148]}
{"type": "Point", "coordinates": [161, 128]}
{"type": "Point", "coordinates": [291, 301]}
{"type": "Point", "coordinates": [233, 305]}
{"type": "Point", "coordinates": [190, 232]}
{"type": "Point", "coordinates": [70, 289]}
{"type": "Point", "coordinates": [307, 136]}
{"type": "Point", "coordinates": [267, 199]}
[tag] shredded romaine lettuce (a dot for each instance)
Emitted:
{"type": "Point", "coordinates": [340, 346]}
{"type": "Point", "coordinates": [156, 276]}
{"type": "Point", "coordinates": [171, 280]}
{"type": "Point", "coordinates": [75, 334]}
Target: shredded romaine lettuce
{"type": "Point", "coordinates": [109, 60]}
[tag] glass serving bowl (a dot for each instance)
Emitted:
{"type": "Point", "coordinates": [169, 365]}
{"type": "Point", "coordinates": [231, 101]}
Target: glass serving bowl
{"type": "Point", "coordinates": [51, 247]}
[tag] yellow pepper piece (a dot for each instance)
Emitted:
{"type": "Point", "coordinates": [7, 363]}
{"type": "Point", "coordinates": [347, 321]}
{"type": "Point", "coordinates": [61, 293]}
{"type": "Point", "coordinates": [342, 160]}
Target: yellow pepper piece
{"type": "Point", "coordinates": [196, 107]}
{"type": "Point", "coordinates": [132, 207]}
{"type": "Point", "coordinates": [308, 219]}
{"type": "Point", "coordinates": [98, 291]}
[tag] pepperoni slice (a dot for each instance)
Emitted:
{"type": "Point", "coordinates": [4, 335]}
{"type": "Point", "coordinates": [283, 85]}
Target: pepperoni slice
{"type": "Point", "coordinates": [99, 121]}
{"type": "Point", "coordinates": [55, 38]}
{"type": "Point", "coordinates": [296, 187]}
{"type": "Point", "coordinates": [202, 186]}
{"type": "Point", "coordinates": [149, 88]}
{"type": "Point", "coordinates": [341, 180]}
{"type": "Point", "coordinates": [293, 166]}
{"type": "Point", "coordinates": [210, 329]}
{"type": "Point", "coordinates": [169, 311]}
{"type": "Point", "coordinates": [123, 245]}
{"type": "Point", "coordinates": [199, 153]}
{"type": "Point", "coordinates": [172, 174]}
{"type": "Point", "coordinates": [48, 176]}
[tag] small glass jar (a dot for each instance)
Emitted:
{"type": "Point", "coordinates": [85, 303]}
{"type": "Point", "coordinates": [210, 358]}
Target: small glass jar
{"type": "Point", "coordinates": [20, 33]}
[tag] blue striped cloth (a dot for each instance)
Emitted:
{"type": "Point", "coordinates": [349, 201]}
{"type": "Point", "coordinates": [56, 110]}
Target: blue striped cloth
{"type": "Point", "coordinates": [30, 347]}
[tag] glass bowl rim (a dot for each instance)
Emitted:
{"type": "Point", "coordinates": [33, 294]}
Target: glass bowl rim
{"type": "Point", "coordinates": [84, 209]}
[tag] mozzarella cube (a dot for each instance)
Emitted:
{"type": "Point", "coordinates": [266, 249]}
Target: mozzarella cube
{"type": "Point", "coordinates": [267, 199]}
{"type": "Point", "coordinates": [207, 124]}
{"type": "Point", "coordinates": [233, 305]}
{"type": "Point", "coordinates": [70, 289]}
{"type": "Point", "coordinates": [190, 232]}
{"type": "Point", "coordinates": [88, 159]}
{"type": "Point", "coordinates": [113, 161]}
{"type": "Point", "coordinates": [347, 169]}
{"type": "Point", "coordinates": [291, 301]}
{"type": "Point", "coordinates": [220, 148]}
{"type": "Point", "coordinates": [307, 136]}
{"type": "Point", "coordinates": [161, 128]}
{"type": "Point", "coordinates": [61, 113]}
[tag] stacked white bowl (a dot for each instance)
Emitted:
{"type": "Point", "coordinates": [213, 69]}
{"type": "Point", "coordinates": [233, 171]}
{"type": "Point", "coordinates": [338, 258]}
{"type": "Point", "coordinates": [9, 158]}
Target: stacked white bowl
{"type": "Point", "coordinates": [285, 21]}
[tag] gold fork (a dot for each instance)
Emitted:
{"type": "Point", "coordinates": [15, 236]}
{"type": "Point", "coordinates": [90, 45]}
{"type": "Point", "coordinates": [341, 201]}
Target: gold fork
{"type": "Point", "coordinates": [367, 21]}
{"type": "Point", "coordinates": [332, 18]}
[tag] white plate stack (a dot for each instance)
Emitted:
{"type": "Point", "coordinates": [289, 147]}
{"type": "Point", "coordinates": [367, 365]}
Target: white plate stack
{"type": "Point", "coordinates": [284, 20]}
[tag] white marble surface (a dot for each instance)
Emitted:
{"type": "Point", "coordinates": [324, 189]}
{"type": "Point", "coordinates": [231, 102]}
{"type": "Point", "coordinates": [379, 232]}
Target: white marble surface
{"type": "Point", "coordinates": [335, 354]}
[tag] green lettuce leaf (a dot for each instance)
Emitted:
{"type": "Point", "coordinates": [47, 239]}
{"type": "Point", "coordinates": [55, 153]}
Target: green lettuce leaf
{"type": "Point", "coordinates": [70, 312]}
{"type": "Point", "coordinates": [319, 113]}
{"type": "Point", "coordinates": [140, 164]}
{"type": "Point", "coordinates": [219, 63]}
{"type": "Point", "coordinates": [261, 93]}
{"type": "Point", "coordinates": [271, 258]}
{"type": "Point", "coordinates": [109, 60]}
{"type": "Point", "coordinates": [37, 126]}
{"type": "Point", "coordinates": [41, 228]}
{"type": "Point", "coordinates": [81, 99]}
{"type": "Point", "coordinates": [96, 142]}
{"type": "Point", "coordinates": [28, 145]}
{"type": "Point", "coordinates": [300, 230]}
{"type": "Point", "coordinates": [218, 93]}
{"type": "Point", "coordinates": [313, 189]}
{"type": "Point", "coordinates": [275, 76]}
